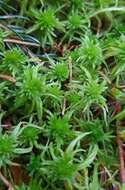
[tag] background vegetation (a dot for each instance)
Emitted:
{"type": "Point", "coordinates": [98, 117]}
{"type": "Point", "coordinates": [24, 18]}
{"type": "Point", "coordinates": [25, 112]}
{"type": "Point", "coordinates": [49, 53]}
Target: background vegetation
{"type": "Point", "coordinates": [62, 94]}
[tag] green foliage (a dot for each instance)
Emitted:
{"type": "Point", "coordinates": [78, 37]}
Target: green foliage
{"type": "Point", "coordinates": [93, 91]}
{"type": "Point", "coordinates": [33, 184]}
{"type": "Point", "coordinates": [6, 148]}
{"type": "Point", "coordinates": [3, 91]}
{"type": "Point", "coordinates": [58, 129]}
{"type": "Point", "coordinates": [32, 84]}
{"type": "Point", "coordinates": [66, 167]}
{"type": "Point", "coordinates": [31, 90]}
{"type": "Point", "coordinates": [95, 181]}
{"type": "Point", "coordinates": [10, 147]}
{"type": "Point", "coordinates": [59, 71]}
{"type": "Point", "coordinates": [118, 51]}
{"type": "Point", "coordinates": [46, 22]}
{"type": "Point", "coordinates": [76, 25]}
{"type": "Point", "coordinates": [13, 61]}
{"type": "Point", "coordinates": [34, 164]}
{"type": "Point", "coordinates": [63, 168]}
{"type": "Point", "coordinates": [104, 3]}
{"type": "Point", "coordinates": [90, 53]}
{"type": "Point", "coordinates": [3, 34]}
{"type": "Point", "coordinates": [76, 4]}
{"type": "Point", "coordinates": [62, 74]}
{"type": "Point", "coordinates": [29, 134]}
{"type": "Point", "coordinates": [97, 131]}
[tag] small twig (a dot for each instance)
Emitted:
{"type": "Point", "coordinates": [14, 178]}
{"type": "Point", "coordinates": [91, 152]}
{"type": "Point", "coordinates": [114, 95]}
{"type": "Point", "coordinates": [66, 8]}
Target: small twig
{"type": "Point", "coordinates": [104, 77]}
{"type": "Point", "coordinates": [31, 55]}
{"type": "Point", "coordinates": [59, 49]}
{"type": "Point", "coordinates": [70, 69]}
{"type": "Point", "coordinates": [16, 41]}
{"type": "Point", "coordinates": [4, 126]}
{"type": "Point", "coordinates": [15, 164]}
{"type": "Point", "coordinates": [109, 9]}
{"type": "Point", "coordinates": [121, 159]}
{"type": "Point", "coordinates": [7, 77]}
{"type": "Point", "coordinates": [72, 47]}
{"type": "Point", "coordinates": [120, 149]}
{"type": "Point", "coordinates": [116, 109]}
{"type": "Point", "coordinates": [70, 79]}
{"type": "Point", "coordinates": [6, 182]}
{"type": "Point", "coordinates": [13, 17]}
{"type": "Point", "coordinates": [98, 28]}
{"type": "Point", "coordinates": [64, 106]}
{"type": "Point", "coordinates": [4, 27]}
{"type": "Point", "coordinates": [103, 174]}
